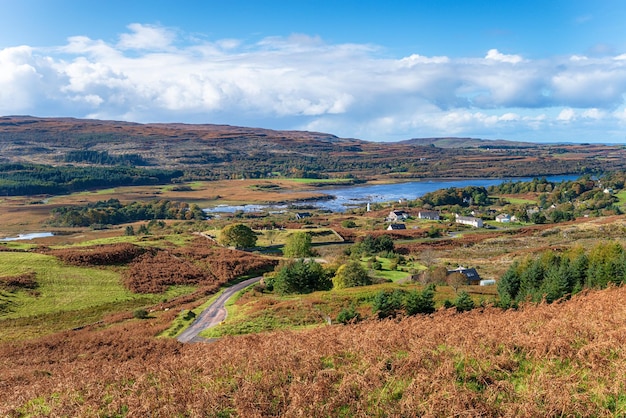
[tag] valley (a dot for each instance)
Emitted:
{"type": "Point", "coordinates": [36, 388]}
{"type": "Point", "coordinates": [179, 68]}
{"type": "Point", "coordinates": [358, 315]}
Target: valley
{"type": "Point", "coordinates": [362, 311]}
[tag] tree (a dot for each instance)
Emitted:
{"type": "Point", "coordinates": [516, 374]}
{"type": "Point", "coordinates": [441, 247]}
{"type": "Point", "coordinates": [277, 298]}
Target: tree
{"type": "Point", "coordinates": [238, 235]}
{"type": "Point", "coordinates": [351, 274]}
{"type": "Point", "coordinates": [298, 245]}
{"type": "Point", "coordinates": [456, 280]}
{"type": "Point", "coordinates": [387, 304]}
{"type": "Point", "coordinates": [464, 302]}
{"type": "Point", "coordinates": [508, 285]}
{"type": "Point", "coordinates": [301, 277]}
{"type": "Point", "coordinates": [421, 302]}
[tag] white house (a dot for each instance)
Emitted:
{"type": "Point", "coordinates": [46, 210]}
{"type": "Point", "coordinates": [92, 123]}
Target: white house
{"type": "Point", "coordinates": [503, 218]}
{"type": "Point", "coordinates": [396, 227]}
{"type": "Point", "coordinates": [431, 215]}
{"type": "Point", "coordinates": [397, 215]}
{"type": "Point", "coordinates": [469, 220]}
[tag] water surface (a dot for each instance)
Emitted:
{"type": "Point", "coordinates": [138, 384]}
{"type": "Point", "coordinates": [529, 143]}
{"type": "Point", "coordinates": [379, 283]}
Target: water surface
{"type": "Point", "coordinates": [354, 196]}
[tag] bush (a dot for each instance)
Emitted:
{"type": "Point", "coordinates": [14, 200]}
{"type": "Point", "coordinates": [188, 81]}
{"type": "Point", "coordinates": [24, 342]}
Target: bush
{"type": "Point", "coordinates": [387, 304]}
{"type": "Point", "coordinates": [301, 277]}
{"type": "Point", "coordinates": [421, 302]}
{"type": "Point", "coordinates": [140, 314]}
{"type": "Point", "coordinates": [348, 224]}
{"type": "Point", "coordinates": [348, 315]}
{"type": "Point", "coordinates": [464, 302]}
{"type": "Point", "coordinates": [350, 275]}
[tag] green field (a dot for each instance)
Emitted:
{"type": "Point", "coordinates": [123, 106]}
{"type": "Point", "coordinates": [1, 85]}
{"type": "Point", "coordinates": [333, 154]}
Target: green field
{"type": "Point", "coordinates": [516, 200]}
{"type": "Point", "coordinates": [66, 296]}
{"type": "Point", "coordinates": [621, 195]}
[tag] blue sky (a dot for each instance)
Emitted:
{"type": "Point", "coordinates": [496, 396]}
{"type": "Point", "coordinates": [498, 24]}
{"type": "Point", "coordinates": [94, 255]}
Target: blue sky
{"type": "Point", "coordinates": [543, 71]}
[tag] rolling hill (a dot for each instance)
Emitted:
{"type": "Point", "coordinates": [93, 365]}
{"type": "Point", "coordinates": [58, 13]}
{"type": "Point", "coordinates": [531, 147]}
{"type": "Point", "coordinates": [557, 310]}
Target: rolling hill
{"type": "Point", "coordinates": [221, 151]}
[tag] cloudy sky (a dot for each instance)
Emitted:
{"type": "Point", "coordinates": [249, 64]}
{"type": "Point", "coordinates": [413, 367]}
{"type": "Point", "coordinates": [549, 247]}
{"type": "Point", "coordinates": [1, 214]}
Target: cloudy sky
{"type": "Point", "coordinates": [531, 70]}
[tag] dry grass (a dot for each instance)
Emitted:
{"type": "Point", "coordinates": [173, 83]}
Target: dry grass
{"type": "Point", "coordinates": [564, 359]}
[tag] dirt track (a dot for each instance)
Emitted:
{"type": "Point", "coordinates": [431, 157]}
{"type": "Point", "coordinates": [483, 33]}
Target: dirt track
{"type": "Point", "coordinates": [214, 314]}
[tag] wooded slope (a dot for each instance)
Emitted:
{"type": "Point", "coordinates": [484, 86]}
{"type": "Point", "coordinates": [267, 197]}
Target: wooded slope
{"type": "Point", "coordinates": [221, 151]}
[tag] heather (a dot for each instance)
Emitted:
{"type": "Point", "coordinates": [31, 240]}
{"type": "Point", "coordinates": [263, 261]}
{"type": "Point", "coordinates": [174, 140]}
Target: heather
{"type": "Point", "coordinates": [539, 360]}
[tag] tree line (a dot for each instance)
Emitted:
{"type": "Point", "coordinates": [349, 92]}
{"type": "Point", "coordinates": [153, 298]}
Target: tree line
{"type": "Point", "coordinates": [113, 212]}
{"type": "Point", "coordinates": [30, 179]}
{"type": "Point", "coordinates": [104, 158]}
{"type": "Point", "coordinates": [552, 276]}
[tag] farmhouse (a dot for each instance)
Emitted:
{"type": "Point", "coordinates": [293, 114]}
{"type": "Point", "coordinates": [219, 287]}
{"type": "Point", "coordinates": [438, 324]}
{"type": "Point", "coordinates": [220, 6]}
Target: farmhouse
{"type": "Point", "coordinates": [432, 215]}
{"type": "Point", "coordinates": [472, 275]}
{"type": "Point", "coordinates": [302, 215]}
{"type": "Point", "coordinates": [503, 218]}
{"type": "Point", "coordinates": [397, 215]}
{"type": "Point", "coordinates": [396, 227]}
{"type": "Point", "coordinates": [469, 220]}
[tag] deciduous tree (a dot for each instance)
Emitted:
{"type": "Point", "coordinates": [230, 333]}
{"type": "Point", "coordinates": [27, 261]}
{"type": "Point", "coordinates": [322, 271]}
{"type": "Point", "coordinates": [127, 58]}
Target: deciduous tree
{"type": "Point", "coordinates": [238, 235]}
{"type": "Point", "coordinates": [298, 245]}
{"type": "Point", "coordinates": [351, 274]}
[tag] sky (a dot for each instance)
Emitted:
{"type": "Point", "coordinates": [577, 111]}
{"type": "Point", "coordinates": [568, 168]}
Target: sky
{"type": "Point", "coordinates": [524, 70]}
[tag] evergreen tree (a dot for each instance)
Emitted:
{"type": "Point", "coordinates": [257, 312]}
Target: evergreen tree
{"type": "Point", "coordinates": [464, 302]}
{"type": "Point", "coordinates": [530, 280]}
{"type": "Point", "coordinates": [509, 285]}
{"type": "Point", "coordinates": [387, 304]}
{"type": "Point", "coordinates": [421, 302]}
{"type": "Point", "coordinates": [554, 285]}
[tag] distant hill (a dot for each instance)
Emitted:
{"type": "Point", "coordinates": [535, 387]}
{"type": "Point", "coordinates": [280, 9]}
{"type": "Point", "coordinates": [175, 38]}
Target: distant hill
{"type": "Point", "coordinates": [222, 151]}
{"type": "Point", "coordinates": [454, 142]}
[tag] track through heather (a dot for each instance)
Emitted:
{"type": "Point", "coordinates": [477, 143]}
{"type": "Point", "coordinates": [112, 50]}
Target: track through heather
{"type": "Point", "coordinates": [213, 314]}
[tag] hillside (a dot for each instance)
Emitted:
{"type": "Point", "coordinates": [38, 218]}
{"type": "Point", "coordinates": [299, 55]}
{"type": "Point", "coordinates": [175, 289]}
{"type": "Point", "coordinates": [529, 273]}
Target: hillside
{"type": "Point", "coordinates": [541, 360]}
{"type": "Point", "coordinates": [454, 142]}
{"type": "Point", "coordinates": [222, 152]}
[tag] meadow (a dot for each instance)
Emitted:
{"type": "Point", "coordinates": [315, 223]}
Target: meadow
{"type": "Point", "coordinates": [71, 343]}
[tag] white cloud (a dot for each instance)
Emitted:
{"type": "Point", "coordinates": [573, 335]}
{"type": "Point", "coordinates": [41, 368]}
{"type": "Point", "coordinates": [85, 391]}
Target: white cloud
{"type": "Point", "coordinates": [20, 80]}
{"type": "Point", "coordinates": [495, 55]}
{"type": "Point", "coordinates": [566, 115]}
{"type": "Point", "coordinates": [301, 81]}
{"type": "Point", "coordinates": [146, 37]}
{"type": "Point", "coordinates": [415, 59]}
{"type": "Point", "coordinates": [593, 114]}
{"type": "Point", "coordinates": [576, 58]}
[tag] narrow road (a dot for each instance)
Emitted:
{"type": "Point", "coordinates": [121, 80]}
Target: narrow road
{"type": "Point", "coordinates": [214, 314]}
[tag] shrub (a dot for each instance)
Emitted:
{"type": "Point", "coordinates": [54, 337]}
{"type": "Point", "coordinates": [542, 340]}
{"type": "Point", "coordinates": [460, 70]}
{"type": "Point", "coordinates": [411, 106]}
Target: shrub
{"type": "Point", "coordinates": [348, 223]}
{"type": "Point", "coordinates": [421, 302]}
{"type": "Point", "coordinates": [387, 304]}
{"type": "Point", "coordinates": [301, 277]}
{"type": "Point", "coordinates": [464, 302]}
{"type": "Point", "coordinates": [140, 314]}
{"type": "Point", "coordinates": [350, 275]}
{"type": "Point", "coordinates": [348, 315]}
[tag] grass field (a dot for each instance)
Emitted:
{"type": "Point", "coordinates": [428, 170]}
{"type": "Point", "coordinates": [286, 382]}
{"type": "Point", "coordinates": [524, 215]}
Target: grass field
{"type": "Point", "coordinates": [621, 195]}
{"type": "Point", "coordinates": [516, 200]}
{"type": "Point", "coordinates": [66, 296]}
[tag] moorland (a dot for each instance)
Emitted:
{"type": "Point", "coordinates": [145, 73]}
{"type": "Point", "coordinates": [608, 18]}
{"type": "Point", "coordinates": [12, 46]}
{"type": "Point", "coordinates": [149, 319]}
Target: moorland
{"type": "Point", "coordinates": [351, 316]}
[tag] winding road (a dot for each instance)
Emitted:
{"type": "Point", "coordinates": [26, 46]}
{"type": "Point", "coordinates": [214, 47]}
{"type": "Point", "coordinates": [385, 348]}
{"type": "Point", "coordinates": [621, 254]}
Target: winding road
{"type": "Point", "coordinates": [214, 314]}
